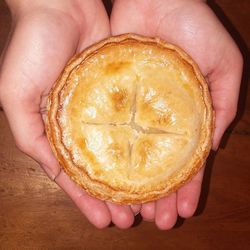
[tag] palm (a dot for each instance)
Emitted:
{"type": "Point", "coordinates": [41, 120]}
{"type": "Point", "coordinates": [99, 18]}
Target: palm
{"type": "Point", "coordinates": [192, 26]}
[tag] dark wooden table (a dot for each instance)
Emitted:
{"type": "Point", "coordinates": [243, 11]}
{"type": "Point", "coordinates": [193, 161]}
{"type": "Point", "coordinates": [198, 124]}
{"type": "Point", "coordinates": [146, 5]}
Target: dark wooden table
{"type": "Point", "coordinates": [36, 214]}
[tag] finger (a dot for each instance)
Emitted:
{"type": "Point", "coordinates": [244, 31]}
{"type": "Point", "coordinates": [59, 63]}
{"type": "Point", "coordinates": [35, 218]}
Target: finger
{"type": "Point", "coordinates": [122, 216]}
{"type": "Point", "coordinates": [224, 86]}
{"type": "Point", "coordinates": [95, 210]}
{"type": "Point", "coordinates": [148, 211]}
{"type": "Point", "coordinates": [28, 130]}
{"type": "Point", "coordinates": [188, 196]}
{"type": "Point", "coordinates": [136, 208]}
{"type": "Point", "coordinates": [25, 75]}
{"type": "Point", "coordinates": [166, 212]}
{"type": "Point", "coordinates": [222, 121]}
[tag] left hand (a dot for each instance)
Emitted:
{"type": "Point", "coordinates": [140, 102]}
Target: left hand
{"type": "Point", "coordinates": [45, 35]}
{"type": "Point", "coordinates": [193, 26]}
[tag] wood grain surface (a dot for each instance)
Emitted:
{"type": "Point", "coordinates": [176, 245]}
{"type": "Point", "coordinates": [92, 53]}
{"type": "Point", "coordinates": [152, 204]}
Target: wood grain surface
{"type": "Point", "coordinates": [36, 214]}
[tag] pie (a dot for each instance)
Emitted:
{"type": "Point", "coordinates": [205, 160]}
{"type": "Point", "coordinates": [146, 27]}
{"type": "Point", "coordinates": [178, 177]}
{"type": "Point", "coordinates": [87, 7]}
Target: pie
{"type": "Point", "coordinates": [130, 119]}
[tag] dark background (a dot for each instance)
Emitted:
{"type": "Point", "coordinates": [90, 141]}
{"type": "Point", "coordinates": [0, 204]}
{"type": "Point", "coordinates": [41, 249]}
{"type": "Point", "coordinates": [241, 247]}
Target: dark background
{"type": "Point", "coordinates": [35, 214]}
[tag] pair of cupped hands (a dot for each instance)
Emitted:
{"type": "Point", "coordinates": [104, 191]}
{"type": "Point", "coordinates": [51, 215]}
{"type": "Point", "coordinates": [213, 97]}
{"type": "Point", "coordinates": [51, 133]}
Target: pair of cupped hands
{"type": "Point", "coordinates": [46, 34]}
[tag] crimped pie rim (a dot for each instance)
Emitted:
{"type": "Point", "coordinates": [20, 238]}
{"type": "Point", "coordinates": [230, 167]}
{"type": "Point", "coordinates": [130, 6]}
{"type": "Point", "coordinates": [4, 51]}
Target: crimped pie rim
{"type": "Point", "coordinates": [99, 189]}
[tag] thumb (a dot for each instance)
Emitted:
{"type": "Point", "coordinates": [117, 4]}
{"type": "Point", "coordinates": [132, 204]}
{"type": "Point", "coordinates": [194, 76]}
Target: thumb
{"type": "Point", "coordinates": [28, 129]}
{"type": "Point", "coordinates": [20, 100]}
{"type": "Point", "coordinates": [225, 88]}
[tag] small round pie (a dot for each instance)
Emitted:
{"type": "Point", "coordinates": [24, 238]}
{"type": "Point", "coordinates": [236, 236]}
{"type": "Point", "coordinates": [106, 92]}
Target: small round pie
{"type": "Point", "coordinates": [130, 119]}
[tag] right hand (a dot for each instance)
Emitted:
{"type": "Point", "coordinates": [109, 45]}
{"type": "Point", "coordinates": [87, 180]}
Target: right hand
{"type": "Point", "coordinates": [45, 35]}
{"type": "Point", "coordinates": [193, 26]}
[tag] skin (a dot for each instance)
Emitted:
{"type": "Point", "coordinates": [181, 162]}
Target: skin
{"type": "Point", "coordinates": [45, 34]}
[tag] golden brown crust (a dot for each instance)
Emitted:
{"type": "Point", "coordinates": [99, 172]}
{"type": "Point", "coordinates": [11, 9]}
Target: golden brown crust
{"type": "Point", "coordinates": [122, 192]}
